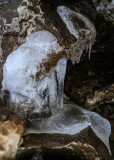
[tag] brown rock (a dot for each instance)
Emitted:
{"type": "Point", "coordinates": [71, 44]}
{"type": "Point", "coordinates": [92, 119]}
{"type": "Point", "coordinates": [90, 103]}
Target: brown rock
{"type": "Point", "coordinates": [84, 145]}
{"type": "Point", "coordinates": [10, 135]}
{"type": "Point", "coordinates": [103, 96]}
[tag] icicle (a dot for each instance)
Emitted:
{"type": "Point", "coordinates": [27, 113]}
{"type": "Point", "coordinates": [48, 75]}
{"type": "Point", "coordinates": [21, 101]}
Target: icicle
{"type": "Point", "coordinates": [56, 85]}
{"type": "Point", "coordinates": [52, 86]}
{"type": "Point", "coordinates": [61, 71]}
{"type": "Point", "coordinates": [89, 53]}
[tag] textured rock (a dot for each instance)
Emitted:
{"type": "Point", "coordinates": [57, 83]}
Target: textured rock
{"type": "Point", "coordinates": [10, 135]}
{"type": "Point", "coordinates": [104, 96]}
{"type": "Point", "coordinates": [84, 145]}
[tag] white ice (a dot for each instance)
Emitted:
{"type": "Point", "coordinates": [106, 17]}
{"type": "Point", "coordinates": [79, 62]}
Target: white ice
{"type": "Point", "coordinates": [22, 65]}
{"type": "Point", "coordinates": [75, 29]}
{"type": "Point", "coordinates": [81, 28]}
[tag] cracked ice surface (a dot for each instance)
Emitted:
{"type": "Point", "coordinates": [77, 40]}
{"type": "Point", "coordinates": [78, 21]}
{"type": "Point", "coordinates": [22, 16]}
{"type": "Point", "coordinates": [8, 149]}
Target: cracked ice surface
{"type": "Point", "coordinates": [71, 120]}
{"type": "Point", "coordinates": [81, 28]}
{"type": "Point", "coordinates": [22, 65]}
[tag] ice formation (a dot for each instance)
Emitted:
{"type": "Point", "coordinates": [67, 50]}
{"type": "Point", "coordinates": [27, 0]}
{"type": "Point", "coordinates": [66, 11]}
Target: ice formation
{"type": "Point", "coordinates": [71, 120]}
{"type": "Point", "coordinates": [20, 79]}
{"type": "Point", "coordinates": [22, 65]}
{"type": "Point", "coordinates": [81, 28]}
{"type": "Point", "coordinates": [67, 15]}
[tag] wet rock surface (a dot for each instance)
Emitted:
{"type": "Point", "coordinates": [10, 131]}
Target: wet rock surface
{"type": "Point", "coordinates": [84, 145]}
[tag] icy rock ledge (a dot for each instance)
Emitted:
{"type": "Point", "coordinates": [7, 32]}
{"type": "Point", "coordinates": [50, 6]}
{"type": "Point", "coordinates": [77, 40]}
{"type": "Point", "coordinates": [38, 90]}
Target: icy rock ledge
{"type": "Point", "coordinates": [71, 120]}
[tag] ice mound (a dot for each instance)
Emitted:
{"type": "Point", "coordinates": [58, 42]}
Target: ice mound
{"type": "Point", "coordinates": [71, 120]}
{"type": "Point", "coordinates": [22, 66]}
{"type": "Point", "coordinates": [81, 28]}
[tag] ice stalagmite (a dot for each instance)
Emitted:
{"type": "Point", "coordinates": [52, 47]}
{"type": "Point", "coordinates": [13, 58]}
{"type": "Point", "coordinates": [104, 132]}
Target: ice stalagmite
{"type": "Point", "coordinates": [21, 69]}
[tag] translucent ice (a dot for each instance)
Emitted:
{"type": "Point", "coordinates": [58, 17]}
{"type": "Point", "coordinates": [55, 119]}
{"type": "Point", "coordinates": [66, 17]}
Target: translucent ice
{"type": "Point", "coordinates": [75, 27]}
{"type": "Point", "coordinates": [81, 28]}
{"type": "Point", "coordinates": [71, 120]}
{"type": "Point", "coordinates": [22, 65]}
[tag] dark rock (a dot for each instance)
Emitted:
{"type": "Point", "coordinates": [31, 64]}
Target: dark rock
{"type": "Point", "coordinates": [84, 145]}
{"type": "Point", "coordinates": [37, 157]}
{"type": "Point", "coordinates": [104, 96]}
